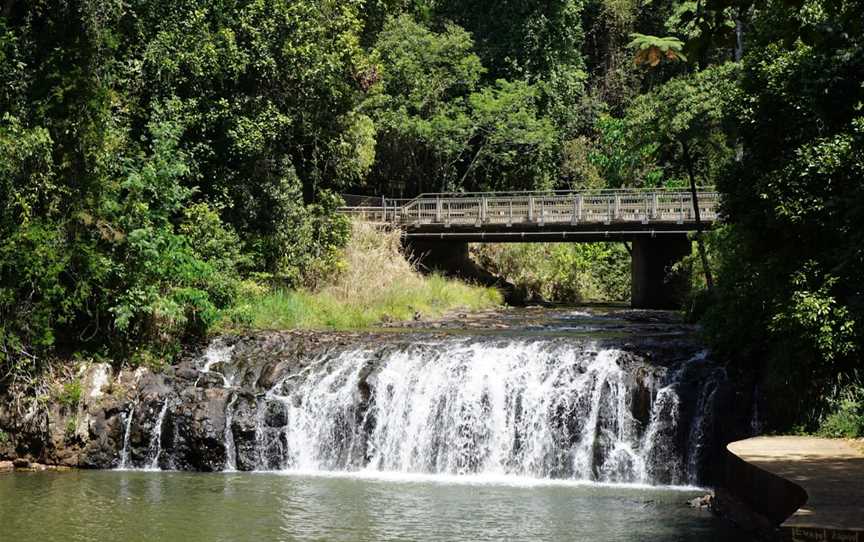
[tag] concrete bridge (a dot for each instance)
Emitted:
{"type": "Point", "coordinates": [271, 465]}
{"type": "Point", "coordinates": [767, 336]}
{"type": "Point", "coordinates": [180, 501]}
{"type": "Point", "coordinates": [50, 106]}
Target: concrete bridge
{"type": "Point", "coordinates": [654, 222]}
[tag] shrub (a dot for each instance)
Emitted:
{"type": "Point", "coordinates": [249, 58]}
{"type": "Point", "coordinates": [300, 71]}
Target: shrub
{"type": "Point", "coordinates": [848, 422]}
{"type": "Point", "coordinates": [304, 247]}
{"type": "Point", "coordinates": [70, 394]}
{"type": "Point", "coordinates": [130, 264]}
{"type": "Point", "coordinates": [847, 418]}
{"type": "Point", "coordinates": [561, 272]}
{"type": "Point", "coordinates": [71, 426]}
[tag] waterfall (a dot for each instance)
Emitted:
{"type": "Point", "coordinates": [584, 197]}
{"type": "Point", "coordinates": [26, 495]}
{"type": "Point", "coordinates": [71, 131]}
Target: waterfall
{"type": "Point", "coordinates": [124, 453]}
{"type": "Point", "coordinates": [540, 409]}
{"type": "Point", "coordinates": [217, 353]}
{"type": "Point", "coordinates": [696, 439]}
{"type": "Point", "coordinates": [230, 448]}
{"type": "Point", "coordinates": [658, 444]}
{"type": "Point", "coordinates": [156, 438]}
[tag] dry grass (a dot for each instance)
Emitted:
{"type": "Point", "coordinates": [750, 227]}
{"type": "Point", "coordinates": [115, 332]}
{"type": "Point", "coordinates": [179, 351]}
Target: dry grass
{"type": "Point", "coordinates": [375, 284]}
{"type": "Point", "coordinates": [373, 263]}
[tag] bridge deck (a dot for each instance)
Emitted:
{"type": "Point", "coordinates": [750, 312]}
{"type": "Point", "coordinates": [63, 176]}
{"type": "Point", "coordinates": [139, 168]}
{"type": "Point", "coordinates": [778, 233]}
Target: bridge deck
{"type": "Point", "coordinates": [497, 217]}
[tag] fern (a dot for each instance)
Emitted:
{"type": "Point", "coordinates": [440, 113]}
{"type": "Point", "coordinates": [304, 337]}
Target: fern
{"type": "Point", "coordinates": [651, 50]}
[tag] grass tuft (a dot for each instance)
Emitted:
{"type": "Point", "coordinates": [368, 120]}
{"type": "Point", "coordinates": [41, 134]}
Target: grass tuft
{"type": "Point", "coordinates": [375, 284]}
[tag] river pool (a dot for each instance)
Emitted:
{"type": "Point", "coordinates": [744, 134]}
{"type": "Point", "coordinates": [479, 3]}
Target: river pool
{"type": "Point", "coordinates": [173, 506]}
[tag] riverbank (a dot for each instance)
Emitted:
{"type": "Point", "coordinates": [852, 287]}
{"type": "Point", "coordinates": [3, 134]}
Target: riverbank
{"type": "Point", "coordinates": [829, 473]}
{"type": "Point", "coordinates": [375, 283]}
{"type": "Point", "coordinates": [23, 465]}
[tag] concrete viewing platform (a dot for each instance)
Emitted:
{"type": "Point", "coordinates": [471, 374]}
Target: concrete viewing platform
{"type": "Point", "coordinates": [829, 471]}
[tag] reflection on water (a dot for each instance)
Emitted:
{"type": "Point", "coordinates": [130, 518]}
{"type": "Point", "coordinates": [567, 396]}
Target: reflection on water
{"type": "Point", "coordinates": [148, 506]}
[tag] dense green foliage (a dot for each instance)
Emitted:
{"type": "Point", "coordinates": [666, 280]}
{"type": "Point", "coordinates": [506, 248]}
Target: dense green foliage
{"type": "Point", "coordinates": [158, 158]}
{"type": "Point", "coordinates": [792, 260]}
{"type": "Point", "coordinates": [149, 154]}
{"type": "Point", "coordinates": [561, 272]}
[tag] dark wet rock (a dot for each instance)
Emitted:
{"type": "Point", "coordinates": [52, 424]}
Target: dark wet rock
{"type": "Point", "coordinates": [106, 438]}
{"type": "Point", "coordinates": [275, 414]}
{"type": "Point", "coordinates": [199, 431]}
{"type": "Point", "coordinates": [187, 373]}
{"type": "Point", "coordinates": [701, 503]}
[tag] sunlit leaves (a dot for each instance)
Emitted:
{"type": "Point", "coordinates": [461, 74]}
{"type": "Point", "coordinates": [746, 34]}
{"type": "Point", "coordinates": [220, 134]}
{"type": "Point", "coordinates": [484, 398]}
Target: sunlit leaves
{"type": "Point", "coordinates": [650, 50]}
{"type": "Point", "coordinates": [688, 119]}
{"type": "Point", "coordinates": [812, 315]}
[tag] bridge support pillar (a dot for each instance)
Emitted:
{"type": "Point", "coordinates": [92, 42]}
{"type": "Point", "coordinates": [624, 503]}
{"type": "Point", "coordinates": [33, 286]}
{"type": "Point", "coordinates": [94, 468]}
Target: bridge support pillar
{"type": "Point", "coordinates": [651, 259]}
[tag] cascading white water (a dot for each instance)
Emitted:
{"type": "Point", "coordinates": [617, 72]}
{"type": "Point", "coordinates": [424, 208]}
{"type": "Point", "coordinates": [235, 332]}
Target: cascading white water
{"type": "Point", "coordinates": [657, 445]}
{"type": "Point", "coordinates": [156, 438]}
{"type": "Point", "coordinates": [756, 425]}
{"type": "Point", "coordinates": [230, 448]}
{"type": "Point", "coordinates": [124, 453]}
{"type": "Point", "coordinates": [217, 353]}
{"type": "Point", "coordinates": [535, 408]}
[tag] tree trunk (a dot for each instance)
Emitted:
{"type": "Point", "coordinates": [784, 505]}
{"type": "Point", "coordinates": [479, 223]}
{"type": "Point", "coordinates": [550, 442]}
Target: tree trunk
{"type": "Point", "coordinates": [739, 54]}
{"type": "Point", "coordinates": [700, 242]}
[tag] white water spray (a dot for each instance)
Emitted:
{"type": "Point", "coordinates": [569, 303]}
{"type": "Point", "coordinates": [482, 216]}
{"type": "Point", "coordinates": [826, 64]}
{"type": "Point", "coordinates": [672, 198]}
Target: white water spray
{"type": "Point", "coordinates": [156, 438]}
{"type": "Point", "coordinates": [538, 409]}
{"type": "Point", "coordinates": [230, 448]}
{"type": "Point", "coordinates": [124, 453]}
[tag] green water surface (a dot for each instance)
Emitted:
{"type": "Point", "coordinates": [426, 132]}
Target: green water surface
{"type": "Point", "coordinates": [191, 507]}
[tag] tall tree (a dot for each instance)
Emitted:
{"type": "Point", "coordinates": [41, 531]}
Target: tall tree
{"type": "Point", "coordinates": [790, 282]}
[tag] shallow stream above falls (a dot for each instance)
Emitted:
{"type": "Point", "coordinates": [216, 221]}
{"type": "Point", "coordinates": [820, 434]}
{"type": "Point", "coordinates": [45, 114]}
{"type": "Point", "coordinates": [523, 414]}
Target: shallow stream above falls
{"type": "Point", "coordinates": [528, 423]}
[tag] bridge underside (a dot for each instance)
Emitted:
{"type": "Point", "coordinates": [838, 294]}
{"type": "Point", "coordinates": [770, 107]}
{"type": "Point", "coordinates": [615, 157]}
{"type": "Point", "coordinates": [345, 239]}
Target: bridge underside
{"type": "Point", "coordinates": [653, 253]}
{"type": "Point", "coordinates": [539, 233]}
{"type": "Point", "coordinates": [438, 227]}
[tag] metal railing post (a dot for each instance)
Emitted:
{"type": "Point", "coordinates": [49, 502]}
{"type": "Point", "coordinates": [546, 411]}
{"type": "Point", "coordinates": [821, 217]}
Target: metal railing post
{"type": "Point", "coordinates": [530, 208]}
{"type": "Point", "coordinates": [438, 209]}
{"type": "Point", "coordinates": [579, 207]}
{"type": "Point", "coordinates": [647, 210]}
{"type": "Point", "coordinates": [510, 216]}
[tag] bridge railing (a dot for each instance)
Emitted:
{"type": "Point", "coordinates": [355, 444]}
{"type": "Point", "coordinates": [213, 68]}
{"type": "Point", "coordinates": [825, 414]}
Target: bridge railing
{"type": "Point", "coordinates": [542, 208]}
{"type": "Point", "coordinates": [570, 208]}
